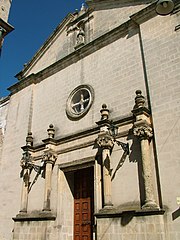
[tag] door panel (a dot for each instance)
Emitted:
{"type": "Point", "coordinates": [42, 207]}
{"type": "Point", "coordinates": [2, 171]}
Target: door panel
{"type": "Point", "coordinates": [83, 204]}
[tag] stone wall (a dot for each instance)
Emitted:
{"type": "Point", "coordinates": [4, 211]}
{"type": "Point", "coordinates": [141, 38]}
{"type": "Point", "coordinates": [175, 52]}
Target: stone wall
{"type": "Point", "coordinates": [4, 9]}
{"type": "Point", "coordinates": [161, 49]}
{"type": "Point", "coordinates": [104, 18]}
{"type": "Point", "coordinates": [141, 228]}
{"type": "Point", "coordinates": [146, 60]}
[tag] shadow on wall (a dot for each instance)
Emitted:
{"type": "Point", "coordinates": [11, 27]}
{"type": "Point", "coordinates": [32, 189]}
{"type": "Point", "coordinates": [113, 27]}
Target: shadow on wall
{"type": "Point", "coordinates": [135, 156]}
{"type": "Point", "coordinates": [176, 214]}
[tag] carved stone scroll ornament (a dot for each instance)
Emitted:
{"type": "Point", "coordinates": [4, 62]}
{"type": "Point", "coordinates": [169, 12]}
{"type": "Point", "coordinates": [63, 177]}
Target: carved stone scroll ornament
{"type": "Point", "coordinates": [143, 132]}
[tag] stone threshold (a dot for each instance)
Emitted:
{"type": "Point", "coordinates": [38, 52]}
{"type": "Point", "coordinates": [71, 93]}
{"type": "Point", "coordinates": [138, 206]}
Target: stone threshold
{"type": "Point", "coordinates": [116, 213]}
{"type": "Point", "coordinates": [35, 216]}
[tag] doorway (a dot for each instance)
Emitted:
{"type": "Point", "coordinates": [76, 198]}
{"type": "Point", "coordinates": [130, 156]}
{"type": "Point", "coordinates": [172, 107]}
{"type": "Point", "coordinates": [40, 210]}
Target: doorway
{"type": "Point", "coordinates": [83, 204]}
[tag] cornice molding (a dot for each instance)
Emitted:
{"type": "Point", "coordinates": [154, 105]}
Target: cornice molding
{"type": "Point", "coordinates": [77, 164]}
{"type": "Point", "coordinates": [4, 101]}
{"type": "Point", "coordinates": [6, 26]}
{"type": "Point", "coordinates": [35, 216]}
{"type": "Point", "coordinates": [97, 2]}
{"type": "Point", "coordinates": [124, 120]}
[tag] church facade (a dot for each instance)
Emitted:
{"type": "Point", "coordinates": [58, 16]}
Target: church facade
{"type": "Point", "coordinates": [89, 144]}
{"type": "Point", "coordinates": [5, 27]}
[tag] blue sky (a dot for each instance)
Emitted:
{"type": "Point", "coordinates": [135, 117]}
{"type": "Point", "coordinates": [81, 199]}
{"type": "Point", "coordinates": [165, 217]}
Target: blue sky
{"type": "Point", "coordinates": [33, 21]}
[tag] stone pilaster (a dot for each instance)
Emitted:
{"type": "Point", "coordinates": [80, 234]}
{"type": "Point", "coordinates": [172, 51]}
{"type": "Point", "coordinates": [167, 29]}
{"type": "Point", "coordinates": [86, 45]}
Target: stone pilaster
{"type": "Point", "coordinates": [49, 159]}
{"type": "Point", "coordinates": [143, 130]}
{"type": "Point", "coordinates": [26, 164]}
{"type": "Point", "coordinates": [144, 133]}
{"type": "Point", "coordinates": [106, 143]}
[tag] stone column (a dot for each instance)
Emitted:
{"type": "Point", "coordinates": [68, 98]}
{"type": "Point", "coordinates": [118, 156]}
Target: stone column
{"type": "Point", "coordinates": [49, 159]}
{"type": "Point", "coordinates": [25, 190]}
{"type": "Point", "coordinates": [144, 133]}
{"type": "Point", "coordinates": [26, 164]}
{"type": "Point", "coordinates": [143, 130]}
{"type": "Point", "coordinates": [106, 143]}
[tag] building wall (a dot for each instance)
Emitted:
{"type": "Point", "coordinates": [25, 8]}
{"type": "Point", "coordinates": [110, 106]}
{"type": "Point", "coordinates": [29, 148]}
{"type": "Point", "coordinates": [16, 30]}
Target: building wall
{"type": "Point", "coordinates": [104, 18]}
{"type": "Point", "coordinates": [146, 60]}
{"type": "Point", "coordinates": [4, 9]}
{"type": "Point", "coordinates": [3, 118]}
{"type": "Point", "coordinates": [108, 16]}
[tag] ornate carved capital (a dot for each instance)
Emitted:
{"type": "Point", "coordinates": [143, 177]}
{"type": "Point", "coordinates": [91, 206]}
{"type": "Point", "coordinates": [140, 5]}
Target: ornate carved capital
{"type": "Point", "coordinates": [105, 141]}
{"type": "Point", "coordinates": [50, 157]}
{"type": "Point", "coordinates": [26, 161]}
{"type": "Point", "coordinates": [143, 132]}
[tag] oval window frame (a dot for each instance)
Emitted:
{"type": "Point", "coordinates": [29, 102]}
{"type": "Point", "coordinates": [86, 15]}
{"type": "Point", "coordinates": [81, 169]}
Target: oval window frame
{"type": "Point", "coordinates": [71, 114]}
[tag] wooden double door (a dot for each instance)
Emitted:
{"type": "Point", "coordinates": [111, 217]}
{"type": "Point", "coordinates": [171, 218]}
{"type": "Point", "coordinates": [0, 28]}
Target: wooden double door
{"type": "Point", "coordinates": [83, 204]}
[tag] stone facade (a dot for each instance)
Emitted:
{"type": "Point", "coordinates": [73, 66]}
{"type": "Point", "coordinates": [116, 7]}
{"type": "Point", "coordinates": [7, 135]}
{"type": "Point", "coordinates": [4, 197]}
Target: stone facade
{"type": "Point", "coordinates": [4, 9]}
{"type": "Point", "coordinates": [129, 137]}
{"type": "Point", "coordinates": [5, 27]}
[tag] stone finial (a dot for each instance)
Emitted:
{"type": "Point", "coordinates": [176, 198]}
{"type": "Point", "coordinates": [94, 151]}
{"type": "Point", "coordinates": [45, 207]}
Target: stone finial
{"type": "Point", "coordinates": [139, 99]}
{"type": "Point", "coordinates": [29, 139]}
{"type": "Point", "coordinates": [104, 112]}
{"type": "Point", "coordinates": [83, 7]}
{"type": "Point", "coordinates": [51, 131]}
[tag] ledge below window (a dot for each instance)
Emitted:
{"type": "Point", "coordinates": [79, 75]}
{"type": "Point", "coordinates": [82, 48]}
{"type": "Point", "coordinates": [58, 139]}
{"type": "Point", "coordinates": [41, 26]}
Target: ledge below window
{"type": "Point", "coordinates": [35, 216]}
{"type": "Point", "coordinates": [114, 213]}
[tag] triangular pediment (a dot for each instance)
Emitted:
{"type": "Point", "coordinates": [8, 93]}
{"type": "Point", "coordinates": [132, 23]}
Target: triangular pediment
{"type": "Point", "coordinates": [48, 52]}
{"type": "Point", "coordinates": [80, 28]}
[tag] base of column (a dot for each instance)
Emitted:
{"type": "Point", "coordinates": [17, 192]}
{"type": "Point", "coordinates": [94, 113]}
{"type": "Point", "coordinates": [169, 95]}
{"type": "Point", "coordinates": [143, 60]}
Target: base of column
{"type": "Point", "coordinates": [109, 205]}
{"type": "Point", "coordinates": [23, 211]}
{"type": "Point", "coordinates": [46, 210]}
{"type": "Point", "coordinates": [150, 205]}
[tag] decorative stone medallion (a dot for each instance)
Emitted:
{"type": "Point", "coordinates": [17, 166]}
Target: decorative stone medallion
{"type": "Point", "coordinates": [79, 102]}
